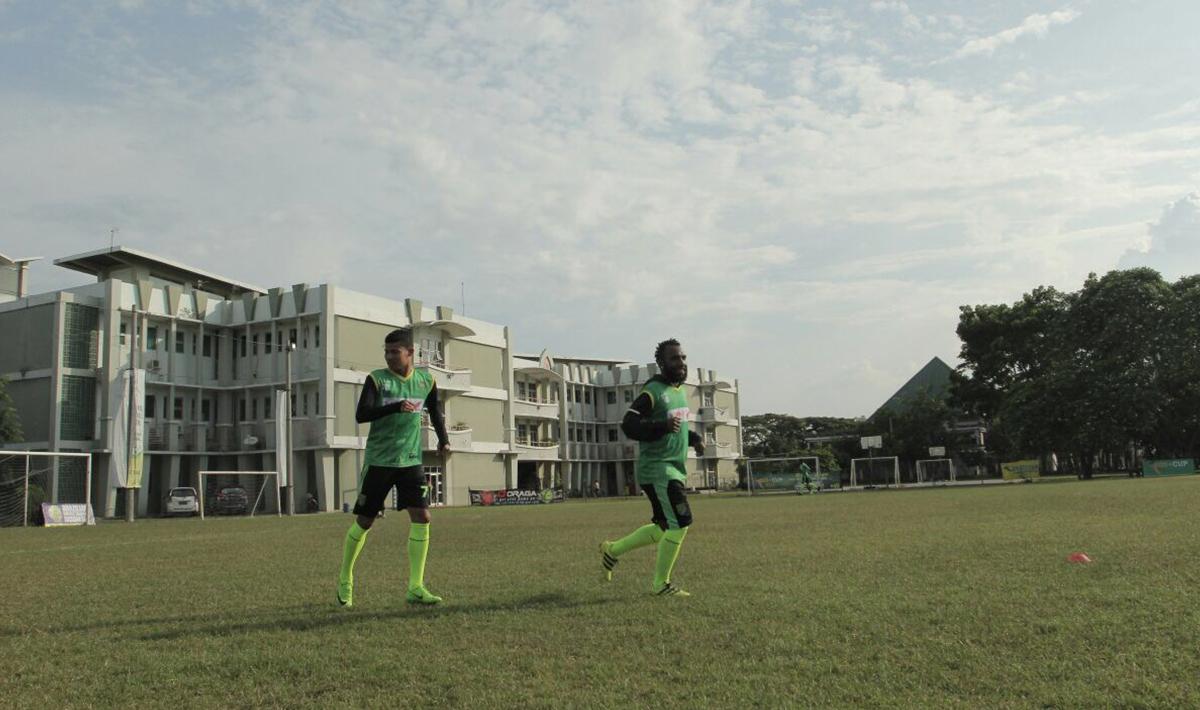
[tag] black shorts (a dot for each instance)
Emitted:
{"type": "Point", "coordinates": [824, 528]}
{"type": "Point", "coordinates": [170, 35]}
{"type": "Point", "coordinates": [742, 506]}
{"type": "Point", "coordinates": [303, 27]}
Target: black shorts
{"type": "Point", "coordinates": [669, 505]}
{"type": "Point", "coordinates": [411, 489]}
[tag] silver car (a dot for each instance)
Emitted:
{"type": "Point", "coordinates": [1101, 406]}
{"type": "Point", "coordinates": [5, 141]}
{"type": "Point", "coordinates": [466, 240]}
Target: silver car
{"type": "Point", "coordinates": [181, 501]}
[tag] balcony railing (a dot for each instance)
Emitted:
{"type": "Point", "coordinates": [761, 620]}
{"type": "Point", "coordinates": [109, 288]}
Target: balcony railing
{"type": "Point", "coordinates": [543, 408]}
{"type": "Point", "coordinates": [450, 381]}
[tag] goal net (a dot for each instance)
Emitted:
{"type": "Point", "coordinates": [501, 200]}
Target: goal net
{"type": "Point", "coordinates": [29, 479]}
{"type": "Point", "coordinates": [783, 475]}
{"type": "Point", "coordinates": [935, 470]}
{"type": "Point", "coordinates": [875, 471]}
{"type": "Point", "coordinates": [240, 493]}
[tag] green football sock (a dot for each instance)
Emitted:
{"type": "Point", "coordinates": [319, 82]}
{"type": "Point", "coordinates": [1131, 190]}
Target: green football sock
{"type": "Point", "coordinates": [668, 553]}
{"type": "Point", "coordinates": [356, 537]}
{"type": "Point", "coordinates": [418, 548]}
{"type": "Point", "coordinates": [645, 535]}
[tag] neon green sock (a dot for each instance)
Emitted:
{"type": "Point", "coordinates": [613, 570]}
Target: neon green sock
{"type": "Point", "coordinates": [668, 553]}
{"type": "Point", "coordinates": [418, 548]}
{"type": "Point", "coordinates": [356, 537]}
{"type": "Point", "coordinates": [645, 535]}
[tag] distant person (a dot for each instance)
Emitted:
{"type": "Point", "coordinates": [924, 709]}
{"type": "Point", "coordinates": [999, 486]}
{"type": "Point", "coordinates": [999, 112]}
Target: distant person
{"type": "Point", "coordinates": [596, 489]}
{"type": "Point", "coordinates": [658, 421]}
{"type": "Point", "coordinates": [806, 477]}
{"type": "Point", "coordinates": [391, 400]}
{"type": "Point", "coordinates": [311, 504]}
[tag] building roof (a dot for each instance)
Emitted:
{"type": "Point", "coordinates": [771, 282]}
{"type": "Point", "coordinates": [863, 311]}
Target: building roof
{"type": "Point", "coordinates": [6, 260]}
{"type": "Point", "coordinates": [934, 379]}
{"type": "Point", "coordinates": [102, 262]}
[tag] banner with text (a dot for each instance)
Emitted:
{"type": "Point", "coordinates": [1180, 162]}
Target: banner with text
{"type": "Point", "coordinates": [1029, 468]}
{"type": "Point", "coordinates": [1168, 467]}
{"type": "Point", "coordinates": [515, 496]}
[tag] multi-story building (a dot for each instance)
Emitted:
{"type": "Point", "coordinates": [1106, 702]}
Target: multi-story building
{"type": "Point", "coordinates": [567, 413]}
{"type": "Point", "coordinates": [215, 351]}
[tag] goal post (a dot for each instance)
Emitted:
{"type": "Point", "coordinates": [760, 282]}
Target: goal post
{"type": "Point", "coordinates": [29, 479]}
{"type": "Point", "coordinates": [875, 471]}
{"type": "Point", "coordinates": [935, 470]}
{"type": "Point", "coordinates": [238, 492]}
{"type": "Point", "coordinates": [781, 474]}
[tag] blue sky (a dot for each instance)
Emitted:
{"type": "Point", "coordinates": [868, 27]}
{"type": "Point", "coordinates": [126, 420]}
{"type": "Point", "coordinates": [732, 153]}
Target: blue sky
{"type": "Point", "coordinates": [803, 193]}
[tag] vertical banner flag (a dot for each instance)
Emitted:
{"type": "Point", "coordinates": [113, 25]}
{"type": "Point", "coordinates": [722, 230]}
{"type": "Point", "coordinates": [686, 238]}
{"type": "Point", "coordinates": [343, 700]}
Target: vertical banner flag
{"type": "Point", "coordinates": [283, 411]}
{"type": "Point", "coordinates": [118, 398]}
{"type": "Point", "coordinates": [137, 434]}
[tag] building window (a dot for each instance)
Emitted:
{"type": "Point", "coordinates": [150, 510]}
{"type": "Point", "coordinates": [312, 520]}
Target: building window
{"type": "Point", "coordinates": [266, 343]}
{"type": "Point", "coordinates": [587, 396]}
{"type": "Point", "coordinates": [194, 343]}
{"type": "Point", "coordinates": [123, 329]}
{"type": "Point", "coordinates": [206, 344]}
{"type": "Point", "coordinates": [177, 412]}
{"type": "Point", "coordinates": [317, 336]}
{"type": "Point", "coordinates": [254, 409]}
{"type": "Point", "coordinates": [205, 410]}
{"type": "Point", "coordinates": [306, 337]}
{"type": "Point", "coordinates": [152, 338]}
{"type": "Point", "coordinates": [628, 396]}
{"type": "Point", "coordinates": [588, 433]}
{"type": "Point", "coordinates": [149, 406]}
{"type": "Point", "coordinates": [520, 390]}
{"type": "Point", "coordinates": [612, 397]}
{"type": "Point", "coordinates": [292, 336]}
{"type": "Point", "coordinates": [305, 404]}
{"type": "Point", "coordinates": [612, 434]}
{"type": "Point", "coordinates": [266, 407]}
{"type": "Point", "coordinates": [242, 340]}
{"type": "Point", "coordinates": [242, 409]}
{"type": "Point", "coordinates": [254, 344]}
{"type": "Point", "coordinates": [178, 342]}
{"type": "Point", "coordinates": [293, 404]}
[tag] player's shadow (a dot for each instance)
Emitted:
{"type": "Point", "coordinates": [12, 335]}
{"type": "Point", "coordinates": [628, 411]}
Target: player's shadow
{"type": "Point", "coordinates": [316, 617]}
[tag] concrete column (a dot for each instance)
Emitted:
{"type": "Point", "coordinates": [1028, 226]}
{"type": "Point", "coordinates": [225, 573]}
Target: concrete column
{"type": "Point", "coordinates": [143, 493]}
{"type": "Point", "coordinates": [326, 480]}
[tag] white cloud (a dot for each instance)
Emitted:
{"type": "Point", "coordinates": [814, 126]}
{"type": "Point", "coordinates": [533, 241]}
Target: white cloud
{"type": "Point", "coordinates": [598, 176]}
{"type": "Point", "coordinates": [1036, 25]}
{"type": "Point", "coordinates": [1172, 244]}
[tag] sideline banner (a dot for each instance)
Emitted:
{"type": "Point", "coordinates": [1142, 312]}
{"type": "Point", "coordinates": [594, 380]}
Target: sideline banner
{"type": "Point", "coordinates": [515, 496]}
{"type": "Point", "coordinates": [59, 514]}
{"type": "Point", "coordinates": [1168, 467]}
{"type": "Point", "coordinates": [1028, 468]}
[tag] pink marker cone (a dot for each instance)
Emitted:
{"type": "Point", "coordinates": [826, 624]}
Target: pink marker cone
{"type": "Point", "coordinates": [1079, 557]}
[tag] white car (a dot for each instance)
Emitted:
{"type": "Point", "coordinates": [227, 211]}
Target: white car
{"type": "Point", "coordinates": [181, 501]}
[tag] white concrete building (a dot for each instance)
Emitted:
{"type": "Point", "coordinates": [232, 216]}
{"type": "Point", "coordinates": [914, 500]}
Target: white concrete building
{"type": "Point", "coordinates": [213, 350]}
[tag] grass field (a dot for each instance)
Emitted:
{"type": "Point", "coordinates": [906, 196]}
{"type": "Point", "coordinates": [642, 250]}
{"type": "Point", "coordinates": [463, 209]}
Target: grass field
{"type": "Point", "coordinates": [948, 597]}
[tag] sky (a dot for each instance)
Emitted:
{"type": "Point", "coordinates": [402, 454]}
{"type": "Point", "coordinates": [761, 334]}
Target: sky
{"type": "Point", "coordinates": [803, 193]}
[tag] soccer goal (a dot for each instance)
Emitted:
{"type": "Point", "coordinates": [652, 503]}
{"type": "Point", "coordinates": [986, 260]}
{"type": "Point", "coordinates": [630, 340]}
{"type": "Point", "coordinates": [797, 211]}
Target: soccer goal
{"type": "Point", "coordinates": [61, 481]}
{"type": "Point", "coordinates": [239, 493]}
{"type": "Point", "coordinates": [875, 471]}
{"type": "Point", "coordinates": [935, 470]}
{"type": "Point", "coordinates": [782, 475]}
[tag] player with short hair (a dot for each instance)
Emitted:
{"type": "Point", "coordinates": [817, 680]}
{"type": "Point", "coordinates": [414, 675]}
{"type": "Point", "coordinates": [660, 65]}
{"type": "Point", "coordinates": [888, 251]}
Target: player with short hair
{"type": "Point", "coordinates": [658, 421]}
{"type": "Point", "coordinates": [392, 399]}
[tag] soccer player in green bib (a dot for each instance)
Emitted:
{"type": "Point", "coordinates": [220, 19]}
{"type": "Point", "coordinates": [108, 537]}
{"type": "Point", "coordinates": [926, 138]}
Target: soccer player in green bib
{"type": "Point", "coordinates": [392, 399]}
{"type": "Point", "coordinates": [658, 421]}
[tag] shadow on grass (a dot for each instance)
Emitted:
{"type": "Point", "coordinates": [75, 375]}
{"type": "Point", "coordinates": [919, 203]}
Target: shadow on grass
{"type": "Point", "coordinates": [314, 617]}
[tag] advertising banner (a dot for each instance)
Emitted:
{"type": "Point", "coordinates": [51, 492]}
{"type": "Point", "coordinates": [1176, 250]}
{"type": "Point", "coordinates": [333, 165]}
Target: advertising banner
{"type": "Point", "coordinates": [1168, 467]}
{"type": "Point", "coordinates": [59, 514]}
{"type": "Point", "coordinates": [1027, 468]}
{"type": "Point", "coordinates": [515, 496]}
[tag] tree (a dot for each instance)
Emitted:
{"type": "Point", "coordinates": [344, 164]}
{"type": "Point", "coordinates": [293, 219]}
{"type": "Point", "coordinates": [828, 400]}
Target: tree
{"type": "Point", "coordinates": [1101, 369]}
{"type": "Point", "coordinates": [10, 422]}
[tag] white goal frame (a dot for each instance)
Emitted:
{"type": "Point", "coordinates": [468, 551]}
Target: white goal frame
{"type": "Point", "coordinates": [28, 455]}
{"type": "Point", "coordinates": [254, 505]}
{"type": "Point", "coordinates": [895, 468]}
{"type": "Point", "coordinates": [921, 473]}
{"type": "Point", "coordinates": [816, 470]}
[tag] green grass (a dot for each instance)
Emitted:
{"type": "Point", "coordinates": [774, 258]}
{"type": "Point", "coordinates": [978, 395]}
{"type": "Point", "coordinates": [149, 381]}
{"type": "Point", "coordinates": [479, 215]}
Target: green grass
{"type": "Point", "coordinates": [947, 598]}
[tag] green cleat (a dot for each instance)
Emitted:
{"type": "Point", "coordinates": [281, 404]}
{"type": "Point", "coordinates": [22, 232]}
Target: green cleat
{"type": "Point", "coordinates": [421, 595]}
{"type": "Point", "coordinates": [607, 561]}
{"type": "Point", "coordinates": [670, 590]}
{"type": "Point", "coordinates": [345, 595]}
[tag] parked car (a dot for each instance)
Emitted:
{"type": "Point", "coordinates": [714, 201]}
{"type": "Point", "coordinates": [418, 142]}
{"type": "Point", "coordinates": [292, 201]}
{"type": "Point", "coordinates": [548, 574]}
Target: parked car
{"type": "Point", "coordinates": [231, 500]}
{"type": "Point", "coordinates": [181, 501]}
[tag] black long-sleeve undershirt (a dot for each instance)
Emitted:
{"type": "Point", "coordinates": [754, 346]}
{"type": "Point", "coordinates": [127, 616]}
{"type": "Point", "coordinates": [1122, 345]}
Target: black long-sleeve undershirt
{"type": "Point", "coordinates": [369, 409]}
{"type": "Point", "coordinates": [638, 426]}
